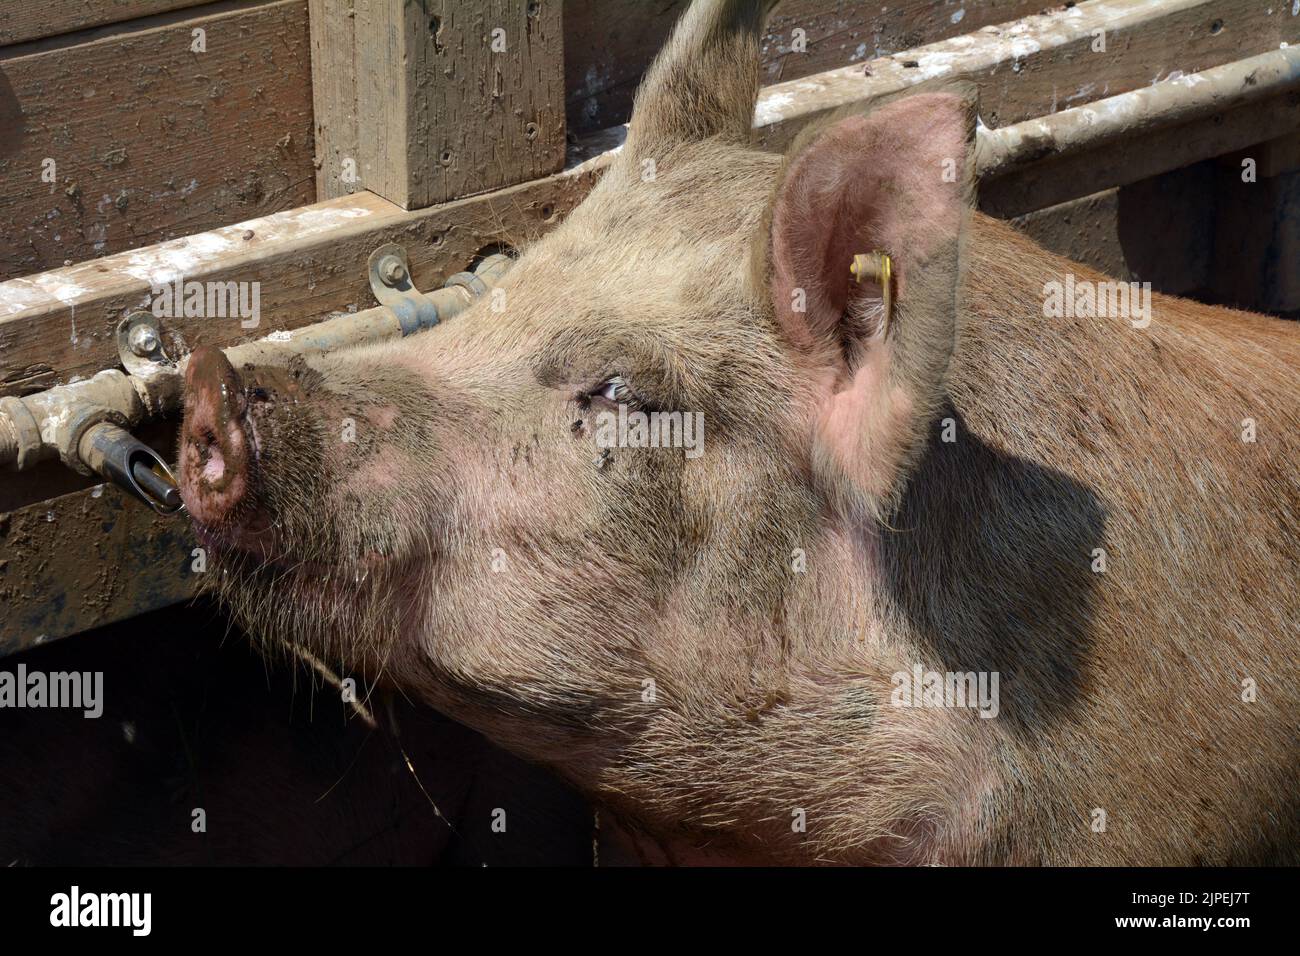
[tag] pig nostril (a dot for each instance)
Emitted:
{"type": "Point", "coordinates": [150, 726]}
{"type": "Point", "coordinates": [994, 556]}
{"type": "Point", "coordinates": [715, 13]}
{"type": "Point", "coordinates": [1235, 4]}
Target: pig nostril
{"type": "Point", "coordinates": [214, 469]}
{"type": "Point", "coordinates": [218, 446]}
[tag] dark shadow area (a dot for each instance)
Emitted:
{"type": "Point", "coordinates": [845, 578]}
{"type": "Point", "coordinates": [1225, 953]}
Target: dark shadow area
{"type": "Point", "coordinates": [1166, 229]}
{"type": "Point", "coordinates": [285, 772]}
{"type": "Point", "coordinates": [991, 562]}
{"type": "Point", "coordinates": [1216, 233]}
{"type": "Point", "coordinates": [1225, 231]}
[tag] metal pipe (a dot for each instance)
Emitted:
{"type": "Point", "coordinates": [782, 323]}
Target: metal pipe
{"type": "Point", "coordinates": [60, 421]}
{"type": "Point", "coordinates": [130, 464]}
{"type": "Point", "coordinates": [50, 423]}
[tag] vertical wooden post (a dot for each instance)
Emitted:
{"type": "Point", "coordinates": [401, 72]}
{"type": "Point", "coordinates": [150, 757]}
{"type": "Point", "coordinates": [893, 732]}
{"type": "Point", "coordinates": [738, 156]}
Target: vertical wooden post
{"type": "Point", "coordinates": [334, 96]}
{"type": "Point", "coordinates": [451, 97]}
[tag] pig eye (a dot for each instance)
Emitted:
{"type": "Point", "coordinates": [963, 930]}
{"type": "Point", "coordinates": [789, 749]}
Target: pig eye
{"type": "Point", "coordinates": [614, 390]}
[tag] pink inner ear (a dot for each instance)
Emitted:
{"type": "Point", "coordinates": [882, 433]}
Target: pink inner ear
{"type": "Point", "coordinates": [892, 180]}
{"type": "Point", "coordinates": [868, 456]}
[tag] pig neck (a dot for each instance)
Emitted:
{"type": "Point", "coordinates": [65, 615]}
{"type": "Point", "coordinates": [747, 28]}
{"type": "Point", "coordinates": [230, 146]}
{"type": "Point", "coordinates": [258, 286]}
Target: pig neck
{"type": "Point", "coordinates": [776, 753]}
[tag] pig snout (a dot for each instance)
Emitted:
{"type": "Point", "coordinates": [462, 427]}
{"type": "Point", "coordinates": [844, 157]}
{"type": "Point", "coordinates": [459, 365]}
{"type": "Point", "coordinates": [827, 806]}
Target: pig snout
{"type": "Point", "coordinates": [216, 440]}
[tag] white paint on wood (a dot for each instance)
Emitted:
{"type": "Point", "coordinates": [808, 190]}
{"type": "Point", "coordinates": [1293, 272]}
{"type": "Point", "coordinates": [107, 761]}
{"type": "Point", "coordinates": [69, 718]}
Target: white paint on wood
{"type": "Point", "coordinates": [166, 261]}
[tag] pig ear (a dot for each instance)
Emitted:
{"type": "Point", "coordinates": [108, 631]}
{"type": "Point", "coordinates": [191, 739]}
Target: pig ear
{"type": "Point", "coordinates": [704, 83]}
{"type": "Point", "coordinates": [897, 181]}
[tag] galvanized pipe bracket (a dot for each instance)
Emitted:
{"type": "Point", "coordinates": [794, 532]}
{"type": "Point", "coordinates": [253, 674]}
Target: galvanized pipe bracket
{"type": "Point", "coordinates": [390, 280]}
{"type": "Point", "coordinates": [140, 344]}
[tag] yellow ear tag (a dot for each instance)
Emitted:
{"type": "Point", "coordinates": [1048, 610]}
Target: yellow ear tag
{"type": "Point", "coordinates": [879, 268]}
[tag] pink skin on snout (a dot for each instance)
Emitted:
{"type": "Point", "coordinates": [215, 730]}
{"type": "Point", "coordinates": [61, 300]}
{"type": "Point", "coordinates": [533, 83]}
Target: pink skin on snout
{"type": "Point", "coordinates": [216, 447]}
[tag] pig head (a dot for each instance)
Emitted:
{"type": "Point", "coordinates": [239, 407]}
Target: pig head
{"type": "Point", "coordinates": [710, 637]}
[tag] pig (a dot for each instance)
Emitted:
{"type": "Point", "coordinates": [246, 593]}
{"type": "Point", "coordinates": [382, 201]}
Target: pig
{"type": "Point", "coordinates": [742, 656]}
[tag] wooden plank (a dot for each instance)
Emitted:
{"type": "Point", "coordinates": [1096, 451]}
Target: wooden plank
{"type": "Point", "coordinates": [1047, 62]}
{"type": "Point", "coordinates": [1260, 224]}
{"type": "Point", "coordinates": [845, 32]}
{"type": "Point", "coordinates": [334, 96]}
{"type": "Point", "coordinates": [1085, 230]}
{"type": "Point", "coordinates": [21, 21]}
{"type": "Point", "coordinates": [151, 140]}
{"type": "Point", "coordinates": [609, 43]}
{"type": "Point", "coordinates": [454, 98]}
{"type": "Point", "coordinates": [308, 262]}
{"type": "Point", "coordinates": [39, 215]}
{"type": "Point", "coordinates": [87, 559]}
